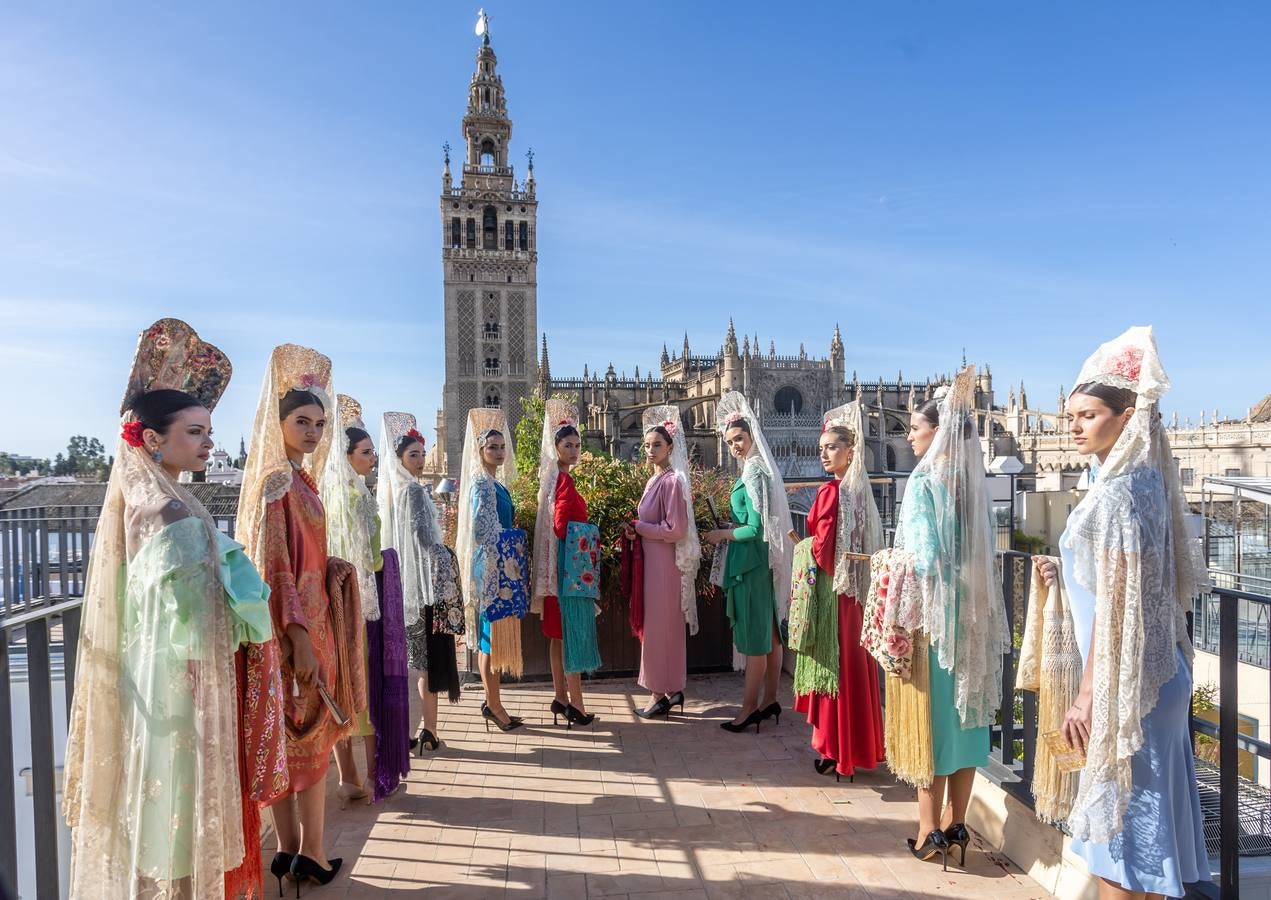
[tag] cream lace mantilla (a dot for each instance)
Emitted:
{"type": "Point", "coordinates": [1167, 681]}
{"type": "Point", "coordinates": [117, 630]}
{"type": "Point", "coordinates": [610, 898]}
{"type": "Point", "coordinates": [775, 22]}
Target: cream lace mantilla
{"type": "Point", "coordinates": [1131, 550]}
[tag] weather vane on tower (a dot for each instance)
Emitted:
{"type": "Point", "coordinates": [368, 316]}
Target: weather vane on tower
{"type": "Point", "coordinates": [483, 26]}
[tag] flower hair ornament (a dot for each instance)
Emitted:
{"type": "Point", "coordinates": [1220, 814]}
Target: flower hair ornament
{"type": "Point", "coordinates": [732, 419]}
{"type": "Point", "coordinates": [132, 433]}
{"type": "Point", "coordinates": [671, 428]}
{"type": "Point", "coordinates": [414, 434]}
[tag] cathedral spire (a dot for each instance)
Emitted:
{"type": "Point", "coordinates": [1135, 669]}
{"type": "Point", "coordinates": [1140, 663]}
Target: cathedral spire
{"type": "Point", "coordinates": [836, 345]}
{"type": "Point", "coordinates": [544, 372]}
{"type": "Point", "coordinates": [666, 357]}
{"type": "Point", "coordinates": [730, 340]}
{"type": "Point", "coordinates": [686, 348]}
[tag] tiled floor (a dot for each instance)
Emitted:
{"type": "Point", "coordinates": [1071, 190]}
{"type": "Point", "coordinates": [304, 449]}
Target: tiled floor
{"type": "Point", "coordinates": [629, 808]}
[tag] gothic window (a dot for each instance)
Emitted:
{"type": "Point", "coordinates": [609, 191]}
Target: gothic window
{"type": "Point", "coordinates": [472, 234]}
{"type": "Point", "coordinates": [456, 233]}
{"type": "Point", "coordinates": [891, 458]}
{"type": "Point", "coordinates": [490, 228]}
{"type": "Point", "coordinates": [788, 401]}
{"type": "Point", "coordinates": [525, 235]}
{"type": "Point", "coordinates": [487, 146]}
{"type": "Point", "coordinates": [509, 238]}
{"type": "Point", "coordinates": [492, 397]}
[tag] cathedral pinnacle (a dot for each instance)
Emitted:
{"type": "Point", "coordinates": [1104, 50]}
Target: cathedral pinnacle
{"type": "Point", "coordinates": [836, 345]}
{"type": "Point", "coordinates": [666, 357]}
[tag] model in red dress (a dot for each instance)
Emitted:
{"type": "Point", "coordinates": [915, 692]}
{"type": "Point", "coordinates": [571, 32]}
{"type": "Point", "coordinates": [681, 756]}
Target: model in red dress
{"type": "Point", "coordinates": [847, 729]}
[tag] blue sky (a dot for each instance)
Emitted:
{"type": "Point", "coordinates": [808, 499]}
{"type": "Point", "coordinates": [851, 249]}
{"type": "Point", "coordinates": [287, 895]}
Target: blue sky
{"type": "Point", "coordinates": [1020, 180]}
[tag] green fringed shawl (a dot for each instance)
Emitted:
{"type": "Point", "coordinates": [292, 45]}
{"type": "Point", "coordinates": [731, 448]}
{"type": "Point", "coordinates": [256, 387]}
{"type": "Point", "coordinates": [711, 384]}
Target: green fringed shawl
{"type": "Point", "coordinates": [814, 625]}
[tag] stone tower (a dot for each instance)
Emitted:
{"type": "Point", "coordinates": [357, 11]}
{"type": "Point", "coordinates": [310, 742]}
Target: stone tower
{"type": "Point", "coordinates": [489, 263]}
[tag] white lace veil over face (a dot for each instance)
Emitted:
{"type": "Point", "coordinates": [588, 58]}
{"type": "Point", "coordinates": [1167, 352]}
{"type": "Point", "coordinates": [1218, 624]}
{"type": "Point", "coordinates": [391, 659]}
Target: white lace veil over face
{"type": "Point", "coordinates": [349, 506]}
{"type": "Point", "coordinates": [267, 476]}
{"type": "Point", "coordinates": [408, 518]}
{"type": "Point", "coordinates": [108, 777]}
{"type": "Point", "coordinates": [473, 477]}
{"type": "Point", "coordinates": [860, 527]}
{"type": "Point", "coordinates": [959, 603]}
{"type": "Point", "coordinates": [557, 414]}
{"type": "Point", "coordinates": [767, 491]}
{"type": "Point", "coordinates": [688, 549]}
{"type": "Point", "coordinates": [1129, 546]}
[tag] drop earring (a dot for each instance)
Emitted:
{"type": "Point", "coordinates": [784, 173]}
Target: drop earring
{"type": "Point", "coordinates": [157, 456]}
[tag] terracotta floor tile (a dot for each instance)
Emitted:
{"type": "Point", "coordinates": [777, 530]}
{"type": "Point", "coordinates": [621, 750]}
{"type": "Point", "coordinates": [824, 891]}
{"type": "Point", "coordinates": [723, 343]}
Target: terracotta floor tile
{"type": "Point", "coordinates": [640, 809]}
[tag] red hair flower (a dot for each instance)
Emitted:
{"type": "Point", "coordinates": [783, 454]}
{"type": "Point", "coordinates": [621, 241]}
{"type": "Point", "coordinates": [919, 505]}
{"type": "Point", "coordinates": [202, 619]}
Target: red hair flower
{"type": "Point", "coordinates": [414, 433]}
{"type": "Point", "coordinates": [565, 422]}
{"type": "Point", "coordinates": [309, 381]}
{"type": "Point", "coordinates": [132, 433]}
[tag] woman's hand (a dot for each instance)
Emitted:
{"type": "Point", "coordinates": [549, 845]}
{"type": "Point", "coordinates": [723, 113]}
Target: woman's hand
{"type": "Point", "coordinates": [1076, 727]}
{"type": "Point", "coordinates": [718, 536]}
{"type": "Point", "coordinates": [1047, 569]}
{"type": "Point", "coordinates": [304, 663]}
{"type": "Point", "coordinates": [628, 531]}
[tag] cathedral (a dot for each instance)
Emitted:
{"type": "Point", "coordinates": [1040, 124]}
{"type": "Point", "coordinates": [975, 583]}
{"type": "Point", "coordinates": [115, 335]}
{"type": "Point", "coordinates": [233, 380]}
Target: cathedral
{"type": "Point", "coordinates": [490, 259]}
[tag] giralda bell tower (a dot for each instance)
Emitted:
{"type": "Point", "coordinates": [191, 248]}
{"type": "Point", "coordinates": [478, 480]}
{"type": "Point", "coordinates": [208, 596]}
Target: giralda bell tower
{"type": "Point", "coordinates": [489, 261]}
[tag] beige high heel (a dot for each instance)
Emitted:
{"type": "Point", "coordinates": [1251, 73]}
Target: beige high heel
{"type": "Point", "coordinates": [347, 792]}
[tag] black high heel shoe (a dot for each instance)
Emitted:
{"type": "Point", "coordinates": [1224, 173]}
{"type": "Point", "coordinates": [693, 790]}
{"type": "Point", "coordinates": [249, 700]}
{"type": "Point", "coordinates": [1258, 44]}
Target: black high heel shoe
{"type": "Point", "coordinates": [575, 716]}
{"type": "Point", "coordinates": [753, 719]}
{"type": "Point", "coordinates": [305, 869]}
{"type": "Point", "coordinates": [429, 741]}
{"type": "Point", "coordinates": [661, 708]}
{"type": "Point", "coordinates": [489, 716]}
{"type": "Point", "coordinates": [676, 699]}
{"type": "Point", "coordinates": [559, 709]}
{"type": "Point", "coordinates": [280, 866]}
{"type": "Point", "coordinates": [773, 709]}
{"type": "Point", "coordinates": [935, 843]}
{"type": "Point", "coordinates": [958, 836]}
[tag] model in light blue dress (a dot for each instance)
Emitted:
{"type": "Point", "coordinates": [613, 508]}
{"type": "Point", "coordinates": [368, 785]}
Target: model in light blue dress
{"type": "Point", "coordinates": [952, 746]}
{"type": "Point", "coordinates": [1162, 845]}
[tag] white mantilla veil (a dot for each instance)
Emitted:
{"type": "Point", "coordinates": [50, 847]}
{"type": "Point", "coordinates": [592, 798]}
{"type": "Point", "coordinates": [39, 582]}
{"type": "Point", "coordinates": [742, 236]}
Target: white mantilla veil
{"type": "Point", "coordinates": [1131, 549]}
{"type": "Point", "coordinates": [408, 517]}
{"type": "Point", "coordinates": [349, 506]}
{"type": "Point", "coordinates": [959, 604]}
{"type": "Point", "coordinates": [860, 527]}
{"type": "Point", "coordinates": [108, 777]}
{"type": "Point", "coordinates": [481, 422]}
{"type": "Point", "coordinates": [556, 414]}
{"type": "Point", "coordinates": [767, 491]}
{"type": "Point", "coordinates": [688, 549]}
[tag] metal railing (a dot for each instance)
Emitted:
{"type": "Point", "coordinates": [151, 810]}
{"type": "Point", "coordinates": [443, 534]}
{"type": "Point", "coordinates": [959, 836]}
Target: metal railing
{"type": "Point", "coordinates": [44, 555]}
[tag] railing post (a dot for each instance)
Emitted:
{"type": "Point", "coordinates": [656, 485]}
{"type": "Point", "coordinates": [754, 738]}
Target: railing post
{"type": "Point", "coordinates": [1228, 762]}
{"type": "Point", "coordinates": [8, 809]}
{"type": "Point", "coordinates": [1007, 712]}
{"type": "Point", "coordinates": [43, 761]}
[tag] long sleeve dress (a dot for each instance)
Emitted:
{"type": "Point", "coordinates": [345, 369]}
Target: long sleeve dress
{"type": "Point", "coordinates": [953, 747]}
{"type": "Point", "coordinates": [1162, 844]}
{"type": "Point", "coordinates": [162, 648]}
{"type": "Point", "coordinates": [486, 525]}
{"type": "Point", "coordinates": [295, 558]}
{"type": "Point", "coordinates": [663, 520]}
{"type": "Point", "coordinates": [751, 603]}
{"type": "Point", "coordinates": [847, 727]}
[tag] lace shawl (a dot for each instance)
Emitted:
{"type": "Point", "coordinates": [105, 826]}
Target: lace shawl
{"type": "Point", "coordinates": [555, 414]}
{"type": "Point", "coordinates": [767, 492]}
{"type": "Point", "coordinates": [350, 509]}
{"type": "Point", "coordinates": [947, 535]}
{"type": "Point", "coordinates": [860, 527]}
{"type": "Point", "coordinates": [1130, 549]}
{"type": "Point", "coordinates": [688, 549]}
{"type": "Point", "coordinates": [409, 519]}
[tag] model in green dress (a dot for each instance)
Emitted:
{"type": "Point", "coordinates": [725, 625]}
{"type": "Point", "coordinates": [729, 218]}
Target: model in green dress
{"type": "Point", "coordinates": [757, 568]}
